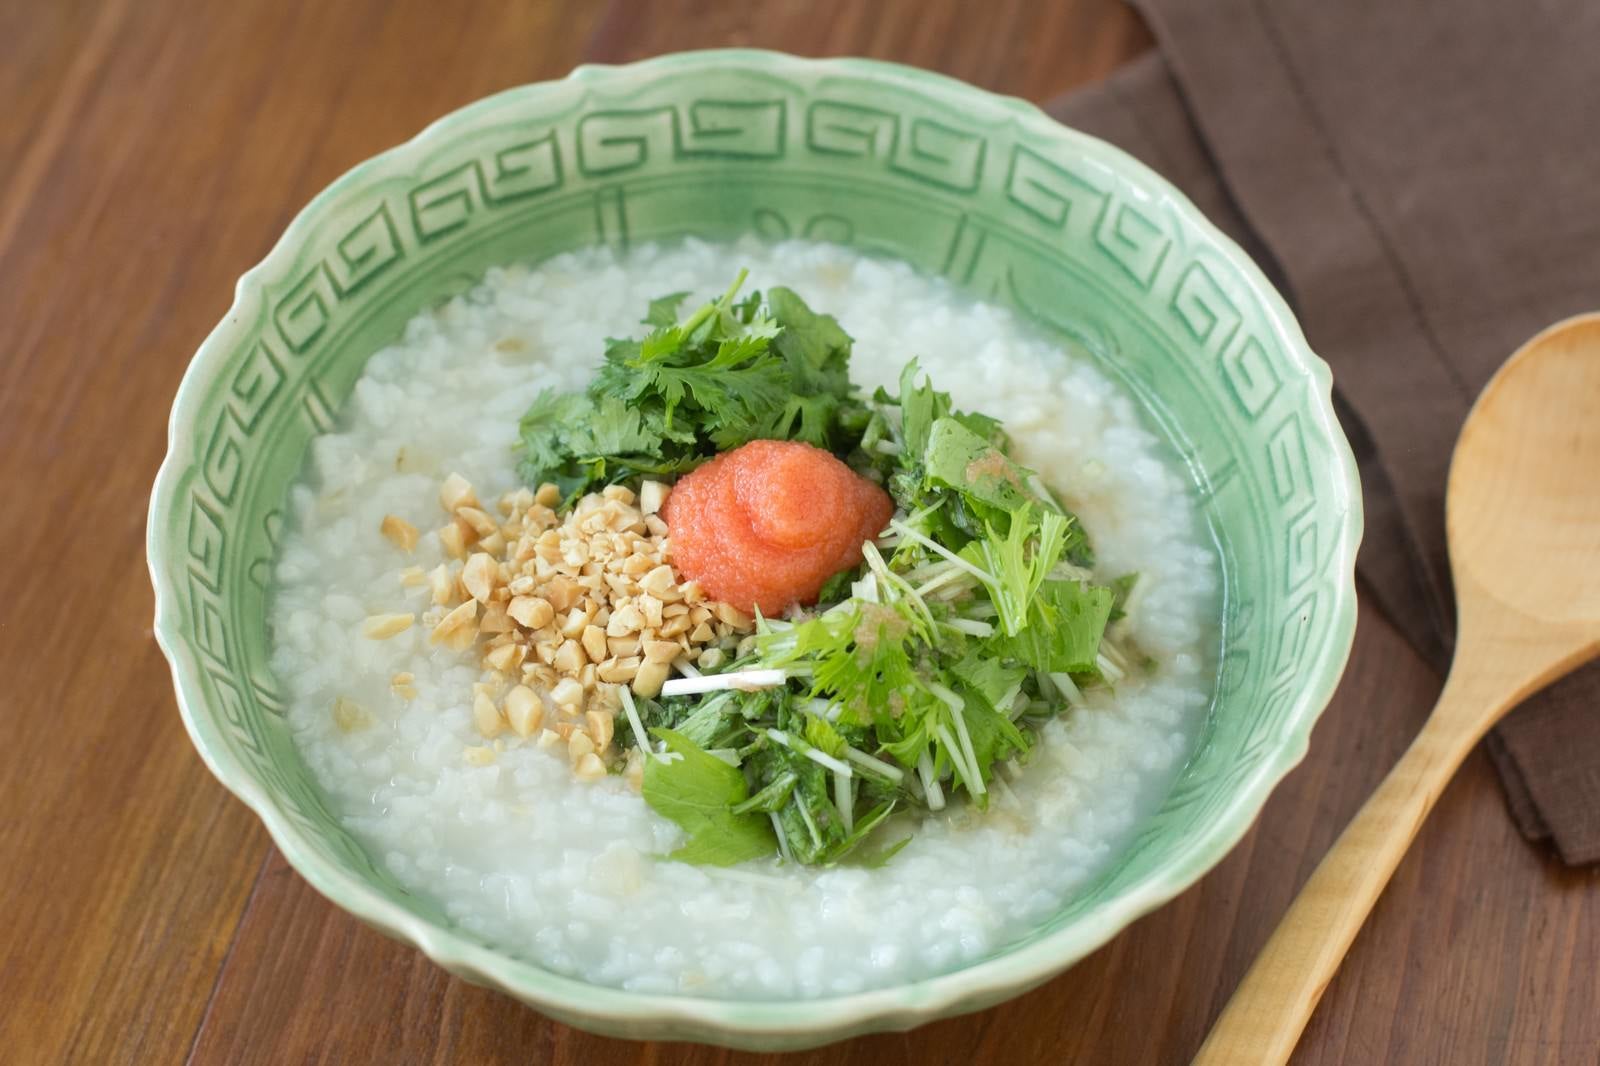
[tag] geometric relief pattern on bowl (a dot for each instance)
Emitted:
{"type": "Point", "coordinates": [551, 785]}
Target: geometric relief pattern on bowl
{"type": "Point", "coordinates": [1050, 202]}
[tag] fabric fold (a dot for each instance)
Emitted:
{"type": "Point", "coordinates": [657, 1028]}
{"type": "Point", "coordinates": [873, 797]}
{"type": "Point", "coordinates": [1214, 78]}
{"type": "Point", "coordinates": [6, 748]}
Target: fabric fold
{"type": "Point", "coordinates": [1419, 180]}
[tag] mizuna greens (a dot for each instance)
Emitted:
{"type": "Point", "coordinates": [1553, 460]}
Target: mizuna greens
{"type": "Point", "coordinates": [972, 618]}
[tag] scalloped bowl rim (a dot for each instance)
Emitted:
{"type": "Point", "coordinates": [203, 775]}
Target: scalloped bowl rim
{"type": "Point", "coordinates": [754, 1021]}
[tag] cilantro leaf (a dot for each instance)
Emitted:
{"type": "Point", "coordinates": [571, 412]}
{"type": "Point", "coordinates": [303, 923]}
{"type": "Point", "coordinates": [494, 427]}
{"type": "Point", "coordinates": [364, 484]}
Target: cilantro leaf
{"type": "Point", "coordinates": [612, 428]}
{"type": "Point", "coordinates": [697, 791]}
{"type": "Point", "coordinates": [814, 345]}
{"type": "Point", "coordinates": [728, 374]}
{"type": "Point", "coordinates": [664, 309]}
{"type": "Point", "coordinates": [544, 429]}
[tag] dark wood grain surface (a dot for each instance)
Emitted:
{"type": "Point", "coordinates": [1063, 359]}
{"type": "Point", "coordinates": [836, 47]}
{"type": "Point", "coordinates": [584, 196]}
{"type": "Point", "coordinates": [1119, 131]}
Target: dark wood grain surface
{"type": "Point", "coordinates": [150, 152]}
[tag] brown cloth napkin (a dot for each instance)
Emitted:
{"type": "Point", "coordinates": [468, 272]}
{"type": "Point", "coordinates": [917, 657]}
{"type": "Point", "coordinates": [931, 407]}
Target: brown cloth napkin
{"type": "Point", "coordinates": [1422, 179]}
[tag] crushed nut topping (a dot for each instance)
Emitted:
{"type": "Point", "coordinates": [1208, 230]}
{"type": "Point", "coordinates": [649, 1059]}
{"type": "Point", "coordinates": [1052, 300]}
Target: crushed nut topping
{"type": "Point", "coordinates": [384, 626]}
{"type": "Point", "coordinates": [564, 610]}
{"type": "Point", "coordinates": [401, 534]}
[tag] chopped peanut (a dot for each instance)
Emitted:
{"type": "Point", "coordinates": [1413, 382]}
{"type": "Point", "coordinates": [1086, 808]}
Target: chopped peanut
{"type": "Point", "coordinates": [442, 584]}
{"type": "Point", "coordinates": [569, 658]}
{"type": "Point", "coordinates": [589, 767]}
{"type": "Point", "coordinates": [734, 617]}
{"type": "Point", "coordinates": [579, 745]}
{"type": "Point", "coordinates": [660, 651]}
{"type": "Point", "coordinates": [600, 726]}
{"type": "Point", "coordinates": [457, 629]}
{"type": "Point", "coordinates": [652, 495]}
{"type": "Point", "coordinates": [593, 640]}
{"type": "Point", "coordinates": [480, 576]}
{"type": "Point", "coordinates": [400, 533]}
{"type": "Point", "coordinates": [504, 657]}
{"type": "Point", "coordinates": [478, 521]}
{"type": "Point", "coordinates": [531, 611]}
{"type": "Point", "coordinates": [457, 492]}
{"type": "Point", "coordinates": [495, 619]}
{"type": "Point", "coordinates": [577, 621]}
{"type": "Point", "coordinates": [618, 671]}
{"type": "Point", "coordinates": [486, 716]}
{"type": "Point", "coordinates": [658, 581]}
{"type": "Point", "coordinates": [625, 620]}
{"type": "Point", "coordinates": [384, 626]}
{"type": "Point", "coordinates": [648, 681]}
{"type": "Point", "coordinates": [404, 685]}
{"type": "Point", "coordinates": [568, 695]}
{"type": "Point", "coordinates": [524, 710]}
{"type": "Point", "coordinates": [453, 540]}
{"type": "Point", "coordinates": [562, 592]}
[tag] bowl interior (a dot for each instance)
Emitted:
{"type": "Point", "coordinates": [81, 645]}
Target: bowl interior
{"type": "Point", "coordinates": [984, 191]}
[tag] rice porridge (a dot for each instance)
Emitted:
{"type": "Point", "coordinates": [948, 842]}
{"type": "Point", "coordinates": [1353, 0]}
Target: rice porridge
{"type": "Point", "coordinates": [570, 872]}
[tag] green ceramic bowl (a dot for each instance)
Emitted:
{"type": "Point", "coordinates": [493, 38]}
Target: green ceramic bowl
{"type": "Point", "coordinates": [984, 190]}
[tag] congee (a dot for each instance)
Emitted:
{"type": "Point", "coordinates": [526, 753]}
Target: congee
{"type": "Point", "coordinates": [745, 620]}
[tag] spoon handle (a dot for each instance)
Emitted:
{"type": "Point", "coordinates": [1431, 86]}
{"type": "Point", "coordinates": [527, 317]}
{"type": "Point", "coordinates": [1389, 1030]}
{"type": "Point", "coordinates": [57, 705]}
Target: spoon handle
{"type": "Point", "coordinates": [1264, 1019]}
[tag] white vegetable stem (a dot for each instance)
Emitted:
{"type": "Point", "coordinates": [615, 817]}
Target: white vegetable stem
{"type": "Point", "coordinates": [934, 546]}
{"type": "Point", "coordinates": [968, 759]}
{"type": "Point", "coordinates": [1068, 688]}
{"type": "Point", "coordinates": [783, 839]}
{"type": "Point", "coordinates": [641, 739]}
{"type": "Point", "coordinates": [844, 798]}
{"type": "Point", "coordinates": [820, 757]}
{"type": "Point", "coordinates": [930, 784]}
{"type": "Point", "coordinates": [878, 766]}
{"type": "Point", "coordinates": [742, 680]}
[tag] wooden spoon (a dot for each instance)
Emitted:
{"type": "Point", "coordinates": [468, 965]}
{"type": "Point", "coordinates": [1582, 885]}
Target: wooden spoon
{"type": "Point", "coordinates": [1522, 517]}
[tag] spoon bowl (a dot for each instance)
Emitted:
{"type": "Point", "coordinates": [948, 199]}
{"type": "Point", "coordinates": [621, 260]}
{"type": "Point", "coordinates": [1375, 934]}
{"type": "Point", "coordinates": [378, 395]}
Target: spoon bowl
{"type": "Point", "coordinates": [1520, 508]}
{"type": "Point", "coordinates": [1522, 517]}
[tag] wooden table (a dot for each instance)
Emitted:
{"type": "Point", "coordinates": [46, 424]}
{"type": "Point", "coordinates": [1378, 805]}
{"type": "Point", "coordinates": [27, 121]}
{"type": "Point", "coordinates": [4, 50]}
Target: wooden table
{"type": "Point", "coordinates": [151, 151]}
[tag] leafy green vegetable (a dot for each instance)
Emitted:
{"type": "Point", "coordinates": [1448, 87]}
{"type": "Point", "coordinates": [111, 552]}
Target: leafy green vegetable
{"type": "Point", "coordinates": [986, 677]}
{"type": "Point", "coordinates": [930, 658]}
{"type": "Point", "coordinates": [837, 587]}
{"type": "Point", "coordinates": [814, 346]}
{"type": "Point", "coordinates": [810, 822]}
{"type": "Point", "coordinates": [955, 457]}
{"type": "Point", "coordinates": [822, 736]}
{"type": "Point", "coordinates": [1064, 628]}
{"type": "Point", "coordinates": [664, 310]}
{"type": "Point", "coordinates": [697, 791]}
{"type": "Point", "coordinates": [881, 856]}
{"type": "Point", "coordinates": [728, 374]}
